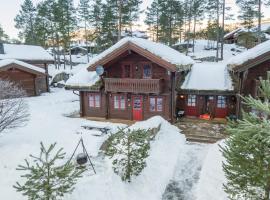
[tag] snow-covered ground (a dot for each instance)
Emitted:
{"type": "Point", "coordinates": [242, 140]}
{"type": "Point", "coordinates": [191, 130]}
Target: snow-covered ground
{"type": "Point", "coordinates": [171, 158]}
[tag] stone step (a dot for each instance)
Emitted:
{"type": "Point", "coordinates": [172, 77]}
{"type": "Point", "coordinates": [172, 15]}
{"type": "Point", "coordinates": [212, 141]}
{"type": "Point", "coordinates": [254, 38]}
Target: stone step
{"type": "Point", "coordinates": [201, 140]}
{"type": "Point", "coordinates": [205, 136]}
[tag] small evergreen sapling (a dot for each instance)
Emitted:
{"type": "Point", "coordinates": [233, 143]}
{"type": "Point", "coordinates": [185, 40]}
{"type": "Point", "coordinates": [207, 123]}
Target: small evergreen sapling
{"type": "Point", "coordinates": [46, 179]}
{"type": "Point", "coordinates": [129, 148]}
{"type": "Point", "coordinates": [247, 151]}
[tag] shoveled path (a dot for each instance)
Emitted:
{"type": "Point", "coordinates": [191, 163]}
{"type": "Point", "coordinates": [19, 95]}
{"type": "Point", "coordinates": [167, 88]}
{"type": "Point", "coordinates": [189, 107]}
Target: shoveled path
{"type": "Point", "coordinates": [186, 174]}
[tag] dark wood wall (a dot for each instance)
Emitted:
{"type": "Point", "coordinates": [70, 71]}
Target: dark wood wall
{"type": "Point", "coordinates": [31, 83]}
{"type": "Point", "coordinates": [252, 76]}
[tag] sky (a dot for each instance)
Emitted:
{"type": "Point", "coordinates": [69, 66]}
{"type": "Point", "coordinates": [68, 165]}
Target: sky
{"type": "Point", "coordinates": [10, 8]}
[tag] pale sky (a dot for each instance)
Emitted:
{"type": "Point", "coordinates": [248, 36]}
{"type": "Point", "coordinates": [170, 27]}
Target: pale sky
{"type": "Point", "coordinates": [9, 9]}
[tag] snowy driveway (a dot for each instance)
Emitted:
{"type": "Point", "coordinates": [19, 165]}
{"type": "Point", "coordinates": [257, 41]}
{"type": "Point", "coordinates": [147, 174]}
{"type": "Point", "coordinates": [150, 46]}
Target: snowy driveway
{"type": "Point", "coordinates": [186, 174]}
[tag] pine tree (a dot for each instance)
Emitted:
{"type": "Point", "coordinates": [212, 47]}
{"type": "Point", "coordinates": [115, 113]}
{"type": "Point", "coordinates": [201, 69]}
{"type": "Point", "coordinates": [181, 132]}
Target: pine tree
{"type": "Point", "coordinates": [25, 21]}
{"type": "Point", "coordinates": [96, 17]}
{"type": "Point", "coordinates": [128, 149]}
{"type": "Point", "coordinates": [84, 15]}
{"type": "Point", "coordinates": [152, 19]}
{"type": "Point", "coordinates": [45, 178]}
{"type": "Point", "coordinates": [247, 165]}
{"type": "Point", "coordinates": [3, 35]}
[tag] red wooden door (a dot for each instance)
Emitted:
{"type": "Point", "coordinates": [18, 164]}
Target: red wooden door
{"type": "Point", "coordinates": [137, 107]}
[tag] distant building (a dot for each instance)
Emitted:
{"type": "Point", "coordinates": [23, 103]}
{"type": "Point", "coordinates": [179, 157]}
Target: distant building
{"type": "Point", "coordinates": [26, 65]}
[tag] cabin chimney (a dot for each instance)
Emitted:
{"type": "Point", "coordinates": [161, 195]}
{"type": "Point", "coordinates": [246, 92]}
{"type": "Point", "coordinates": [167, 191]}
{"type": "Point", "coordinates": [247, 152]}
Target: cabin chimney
{"type": "Point", "coordinates": [1, 48]}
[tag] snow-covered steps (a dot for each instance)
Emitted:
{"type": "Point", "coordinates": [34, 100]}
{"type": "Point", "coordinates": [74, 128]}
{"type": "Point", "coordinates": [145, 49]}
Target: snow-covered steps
{"type": "Point", "coordinates": [202, 138]}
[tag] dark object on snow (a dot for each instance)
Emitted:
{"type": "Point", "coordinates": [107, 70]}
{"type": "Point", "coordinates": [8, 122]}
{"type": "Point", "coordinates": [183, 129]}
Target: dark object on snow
{"type": "Point", "coordinates": [103, 130]}
{"type": "Point", "coordinates": [2, 51]}
{"type": "Point", "coordinates": [81, 158]}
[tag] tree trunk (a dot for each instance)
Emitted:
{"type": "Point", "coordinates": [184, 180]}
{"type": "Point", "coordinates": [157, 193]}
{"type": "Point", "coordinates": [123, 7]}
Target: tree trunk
{"type": "Point", "coordinates": [222, 33]}
{"type": "Point", "coordinates": [194, 32]}
{"type": "Point", "coordinates": [217, 51]}
{"type": "Point", "coordinates": [259, 20]}
{"type": "Point", "coordinates": [86, 39]}
{"type": "Point", "coordinates": [120, 20]}
{"type": "Point", "coordinates": [189, 27]}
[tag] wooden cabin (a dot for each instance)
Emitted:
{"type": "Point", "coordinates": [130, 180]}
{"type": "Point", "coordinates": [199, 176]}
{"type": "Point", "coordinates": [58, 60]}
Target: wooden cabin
{"type": "Point", "coordinates": [30, 78]}
{"type": "Point", "coordinates": [33, 55]}
{"type": "Point", "coordinates": [247, 68]}
{"type": "Point", "coordinates": [207, 91]}
{"type": "Point", "coordinates": [138, 81]}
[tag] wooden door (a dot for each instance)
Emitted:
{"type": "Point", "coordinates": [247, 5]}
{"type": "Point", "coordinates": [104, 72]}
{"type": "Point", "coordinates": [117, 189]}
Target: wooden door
{"type": "Point", "coordinates": [137, 110]}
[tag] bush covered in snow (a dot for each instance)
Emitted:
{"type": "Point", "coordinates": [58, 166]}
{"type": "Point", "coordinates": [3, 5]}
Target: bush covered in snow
{"type": "Point", "coordinates": [128, 149]}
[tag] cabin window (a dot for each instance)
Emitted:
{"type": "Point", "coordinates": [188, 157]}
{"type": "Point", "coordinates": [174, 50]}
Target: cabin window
{"type": "Point", "coordinates": [191, 100]}
{"type": "Point", "coordinates": [147, 71]}
{"type": "Point", "coordinates": [119, 102]}
{"type": "Point", "coordinates": [126, 71]}
{"type": "Point", "coordinates": [156, 104]}
{"type": "Point", "coordinates": [94, 100]}
{"type": "Point", "coordinates": [221, 102]}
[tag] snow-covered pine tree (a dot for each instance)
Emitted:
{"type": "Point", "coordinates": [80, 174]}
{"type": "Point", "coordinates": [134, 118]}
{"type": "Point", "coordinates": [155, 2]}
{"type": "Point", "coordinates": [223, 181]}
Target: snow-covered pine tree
{"type": "Point", "coordinates": [129, 149]}
{"type": "Point", "coordinates": [247, 165]}
{"type": "Point", "coordinates": [46, 179]}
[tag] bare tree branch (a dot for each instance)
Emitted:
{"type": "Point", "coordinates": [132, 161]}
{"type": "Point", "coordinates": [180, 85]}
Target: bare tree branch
{"type": "Point", "coordinates": [13, 108]}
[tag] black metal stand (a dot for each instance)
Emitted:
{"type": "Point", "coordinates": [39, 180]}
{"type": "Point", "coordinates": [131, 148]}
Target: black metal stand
{"type": "Point", "coordinates": [84, 151]}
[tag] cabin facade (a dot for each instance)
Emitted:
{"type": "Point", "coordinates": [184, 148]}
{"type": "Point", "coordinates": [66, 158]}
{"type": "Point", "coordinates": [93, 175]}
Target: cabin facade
{"type": "Point", "coordinates": [20, 59]}
{"type": "Point", "coordinates": [247, 68]}
{"type": "Point", "coordinates": [137, 82]}
{"type": "Point", "coordinates": [30, 78]}
{"type": "Point", "coordinates": [207, 92]}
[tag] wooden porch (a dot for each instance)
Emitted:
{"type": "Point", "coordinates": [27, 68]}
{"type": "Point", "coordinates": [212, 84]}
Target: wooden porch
{"type": "Point", "coordinates": [133, 85]}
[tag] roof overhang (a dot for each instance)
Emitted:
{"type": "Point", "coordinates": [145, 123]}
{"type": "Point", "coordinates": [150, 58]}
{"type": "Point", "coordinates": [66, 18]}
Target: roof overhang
{"type": "Point", "coordinates": [250, 63]}
{"type": "Point", "coordinates": [22, 68]}
{"type": "Point", "coordinates": [143, 52]}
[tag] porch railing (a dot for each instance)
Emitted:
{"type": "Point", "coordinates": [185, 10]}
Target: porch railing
{"type": "Point", "coordinates": [133, 85]}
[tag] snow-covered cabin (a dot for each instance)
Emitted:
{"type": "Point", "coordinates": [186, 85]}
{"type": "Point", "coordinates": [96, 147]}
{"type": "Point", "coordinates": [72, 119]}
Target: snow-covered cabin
{"type": "Point", "coordinates": [207, 89]}
{"type": "Point", "coordinates": [27, 54]}
{"type": "Point", "coordinates": [248, 67]}
{"type": "Point", "coordinates": [138, 82]}
{"type": "Point", "coordinates": [30, 78]}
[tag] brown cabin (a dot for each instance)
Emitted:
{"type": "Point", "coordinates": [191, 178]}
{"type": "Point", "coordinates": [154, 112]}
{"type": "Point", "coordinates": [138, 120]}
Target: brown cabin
{"type": "Point", "coordinates": [30, 78]}
{"type": "Point", "coordinates": [248, 72]}
{"type": "Point", "coordinates": [29, 54]}
{"type": "Point", "coordinates": [138, 81]}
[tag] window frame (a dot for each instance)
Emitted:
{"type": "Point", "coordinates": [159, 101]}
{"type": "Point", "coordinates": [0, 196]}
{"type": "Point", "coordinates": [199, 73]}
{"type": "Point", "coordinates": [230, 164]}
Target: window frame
{"type": "Point", "coordinates": [119, 102]}
{"type": "Point", "coordinates": [150, 68]}
{"type": "Point", "coordinates": [221, 102]}
{"type": "Point", "coordinates": [94, 100]}
{"type": "Point", "coordinates": [192, 100]}
{"type": "Point", "coordinates": [156, 103]}
{"type": "Point", "coordinates": [123, 66]}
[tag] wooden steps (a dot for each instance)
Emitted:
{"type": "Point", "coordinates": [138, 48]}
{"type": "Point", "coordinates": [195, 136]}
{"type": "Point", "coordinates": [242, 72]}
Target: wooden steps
{"type": "Point", "coordinates": [202, 138]}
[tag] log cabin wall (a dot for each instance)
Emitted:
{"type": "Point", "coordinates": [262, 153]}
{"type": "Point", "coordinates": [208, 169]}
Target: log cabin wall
{"type": "Point", "coordinates": [94, 111]}
{"type": "Point", "coordinates": [31, 83]}
{"type": "Point", "coordinates": [250, 82]}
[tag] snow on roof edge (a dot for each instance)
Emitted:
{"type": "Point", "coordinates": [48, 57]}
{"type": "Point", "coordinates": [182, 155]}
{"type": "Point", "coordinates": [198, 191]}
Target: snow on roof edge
{"type": "Point", "coordinates": [6, 62]}
{"type": "Point", "coordinates": [168, 54]}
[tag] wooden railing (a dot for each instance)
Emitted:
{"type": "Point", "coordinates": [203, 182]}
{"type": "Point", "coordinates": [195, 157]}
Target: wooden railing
{"type": "Point", "coordinates": [133, 85]}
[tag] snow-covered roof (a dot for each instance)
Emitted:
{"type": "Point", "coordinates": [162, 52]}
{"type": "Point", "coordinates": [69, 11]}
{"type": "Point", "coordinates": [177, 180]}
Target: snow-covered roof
{"type": "Point", "coordinates": [6, 62]}
{"type": "Point", "coordinates": [249, 54]}
{"type": "Point", "coordinates": [232, 32]}
{"type": "Point", "coordinates": [160, 50]}
{"type": "Point", "coordinates": [208, 76]}
{"type": "Point", "coordinates": [25, 52]}
{"type": "Point", "coordinates": [83, 78]}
